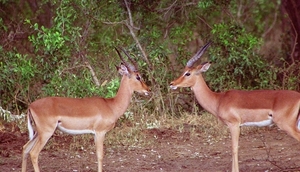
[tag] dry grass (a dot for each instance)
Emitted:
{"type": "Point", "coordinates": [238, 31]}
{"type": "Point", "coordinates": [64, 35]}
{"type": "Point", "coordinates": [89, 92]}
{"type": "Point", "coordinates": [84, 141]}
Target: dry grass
{"type": "Point", "coordinates": [130, 133]}
{"type": "Point", "coordinates": [204, 125]}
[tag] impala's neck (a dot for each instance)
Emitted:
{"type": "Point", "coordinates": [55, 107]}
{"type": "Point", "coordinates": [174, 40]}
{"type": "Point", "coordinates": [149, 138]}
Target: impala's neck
{"type": "Point", "coordinates": [206, 98]}
{"type": "Point", "coordinates": [121, 101]}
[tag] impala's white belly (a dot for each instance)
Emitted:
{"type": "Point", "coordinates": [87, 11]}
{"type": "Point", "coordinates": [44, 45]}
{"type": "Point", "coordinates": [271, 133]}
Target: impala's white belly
{"type": "Point", "coordinates": [71, 131]}
{"type": "Point", "coordinates": [263, 123]}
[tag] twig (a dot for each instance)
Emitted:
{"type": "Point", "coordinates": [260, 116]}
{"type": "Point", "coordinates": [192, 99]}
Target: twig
{"type": "Point", "coordinates": [66, 69]}
{"type": "Point", "coordinates": [131, 27]}
{"type": "Point", "coordinates": [295, 42]}
{"type": "Point", "coordinates": [169, 8]}
{"type": "Point", "coordinates": [87, 64]}
{"type": "Point", "coordinates": [273, 23]}
{"type": "Point", "coordinates": [114, 23]}
{"type": "Point", "coordinates": [129, 13]}
{"type": "Point", "coordinates": [205, 22]}
{"type": "Point", "coordinates": [268, 159]}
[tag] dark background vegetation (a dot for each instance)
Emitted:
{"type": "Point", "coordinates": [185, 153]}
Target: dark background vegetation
{"type": "Point", "coordinates": [66, 48]}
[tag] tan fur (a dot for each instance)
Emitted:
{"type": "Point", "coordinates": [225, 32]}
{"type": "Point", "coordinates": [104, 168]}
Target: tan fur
{"type": "Point", "coordinates": [95, 115]}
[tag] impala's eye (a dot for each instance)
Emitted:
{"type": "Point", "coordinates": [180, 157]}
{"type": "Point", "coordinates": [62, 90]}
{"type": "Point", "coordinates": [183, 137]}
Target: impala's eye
{"type": "Point", "coordinates": [187, 74]}
{"type": "Point", "coordinates": [138, 77]}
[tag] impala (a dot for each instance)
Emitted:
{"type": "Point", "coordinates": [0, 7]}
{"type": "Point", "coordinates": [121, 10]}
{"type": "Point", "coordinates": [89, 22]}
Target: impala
{"type": "Point", "coordinates": [242, 108]}
{"type": "Point", "coordinates": [80, 115]}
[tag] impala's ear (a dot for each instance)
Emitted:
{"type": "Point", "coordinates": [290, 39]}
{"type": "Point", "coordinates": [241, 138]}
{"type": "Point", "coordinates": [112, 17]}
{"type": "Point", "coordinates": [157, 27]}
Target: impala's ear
{"type": "Point", "coordinates": [202, 68]}
{"type": "Point", "coordinates": [123, 70]}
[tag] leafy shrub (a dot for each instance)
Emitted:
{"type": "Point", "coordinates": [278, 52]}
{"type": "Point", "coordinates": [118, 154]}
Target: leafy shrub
{"type": "Point", "coordinates": [77, 82]}
{"type": "Point", "coordinates": [289, 74]}
{"type": "Point", "coordinates": [17, 76]}
{"type": "Point", "coordinates": [236, 63]}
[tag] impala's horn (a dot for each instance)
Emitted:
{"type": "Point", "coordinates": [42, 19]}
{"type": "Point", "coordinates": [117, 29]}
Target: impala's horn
{"type": "Point", "coordinates": [197, 56]}
{"type": "Point", "coordinates": [128, 65]}
{"type": "Point", "coordinates": [134, 66]}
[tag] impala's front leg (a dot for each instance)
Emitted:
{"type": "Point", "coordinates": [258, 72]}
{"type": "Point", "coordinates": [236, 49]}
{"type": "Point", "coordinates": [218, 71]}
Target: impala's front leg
{"type": "Point", "coordinates": [235, 133]}
{"type": "Point", "coordinates": [99, 140]}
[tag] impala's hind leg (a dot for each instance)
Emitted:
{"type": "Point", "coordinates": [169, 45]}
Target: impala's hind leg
{"type": "Point", "coordinates": [298, 120]}
{"type": "Point", "coordinates": [296, 133]}
{"type": "Point", "coordinates": [293, 131]}
{"type": "Point", "coordinates": [291, 126]}
{"type": "Point", "coordinates": [26, 149]}
{"type": "Point", "coordinates": [287, 119]}
{"type": "Point", "coordinates": [40, 142]}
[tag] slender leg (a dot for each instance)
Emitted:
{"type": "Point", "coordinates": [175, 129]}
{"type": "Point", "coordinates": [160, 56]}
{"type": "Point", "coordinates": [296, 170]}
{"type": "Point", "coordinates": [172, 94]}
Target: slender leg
{"type": "Point", "coordinates": [289, 124]}
{"type": "Point", "coordinates": [235, 133]}
{"type": "Point", "coordinates": [99, 139]}
{"type": "Point", "coordinates": [40, 142]}
{"type": "Point", "coordinates": [26, 149]}
{"type": "Point", "coordinates": [291, 130]}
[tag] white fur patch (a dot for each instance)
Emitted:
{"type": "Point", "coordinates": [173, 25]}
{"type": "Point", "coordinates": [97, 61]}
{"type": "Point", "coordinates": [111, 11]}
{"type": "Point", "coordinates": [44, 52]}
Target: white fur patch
{"type": "Point", "coordinates": [68, 131]}
{"type": "Point", "coordinates": [173, 87]}
{"type": "Point", "coordinates": [30, 129]}
{"type": "Point", "coordinates": [260, 123]}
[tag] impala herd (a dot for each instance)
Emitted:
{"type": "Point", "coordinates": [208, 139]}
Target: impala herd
{"type": "Point", "coordinates": [98, 115]}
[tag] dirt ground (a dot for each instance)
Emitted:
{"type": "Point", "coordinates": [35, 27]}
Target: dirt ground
{"type": "Point", "coordinates": [267, 150]}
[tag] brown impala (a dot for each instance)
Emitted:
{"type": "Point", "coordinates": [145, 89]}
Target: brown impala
{"type": "Point", "coordinates": [80, 116]}
{"type": "Point", "coordinates": [242, 108]}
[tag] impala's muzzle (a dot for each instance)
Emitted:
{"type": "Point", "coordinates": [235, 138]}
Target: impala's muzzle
{"type": "Point", "coordinates": [147, 92]}
{"type": "Point", "coordinates": [172, 86]}
{"type": "Point", "coordinates": [146, 89]}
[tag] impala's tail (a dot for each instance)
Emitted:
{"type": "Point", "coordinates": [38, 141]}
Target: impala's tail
{"type": "Point", "coordinates": [29, 125]}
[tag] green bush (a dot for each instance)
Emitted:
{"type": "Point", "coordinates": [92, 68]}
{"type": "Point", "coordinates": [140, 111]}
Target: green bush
{"type": "Point", "coordinates": [236, 61]}
{"type": "Point", "coordinates": [17, 76]}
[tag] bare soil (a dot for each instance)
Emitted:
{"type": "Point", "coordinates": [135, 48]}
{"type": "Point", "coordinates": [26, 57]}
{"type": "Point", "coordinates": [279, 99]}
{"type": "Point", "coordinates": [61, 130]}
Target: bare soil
{"type": "Point", "coordinates": [264, 150]}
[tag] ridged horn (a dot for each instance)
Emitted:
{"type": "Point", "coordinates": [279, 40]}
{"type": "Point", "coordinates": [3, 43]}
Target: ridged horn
{"type": "Point", "coordinates": [197, 56]}
{"type": "Point", "coordinates": [128, 65]}
{"type": "Point", "coordinates": [133, 65]}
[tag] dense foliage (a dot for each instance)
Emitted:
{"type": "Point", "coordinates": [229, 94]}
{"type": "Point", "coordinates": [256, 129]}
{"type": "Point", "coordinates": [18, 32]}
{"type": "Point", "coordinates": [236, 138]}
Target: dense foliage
{"type": "Point", "coordinates": [66, 48]}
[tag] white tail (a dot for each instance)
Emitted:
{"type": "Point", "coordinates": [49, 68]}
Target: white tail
{"type": "Point", "coordinates": [29, 125]}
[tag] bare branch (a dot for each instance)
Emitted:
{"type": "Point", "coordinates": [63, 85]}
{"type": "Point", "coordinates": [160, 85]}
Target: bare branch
{"type": "Point", "coordinates": [87, 64]}
{"type": "Point", "coordinates": [169, 8]}
{"type": "Point", "coordinates": [295, 44]}
{"type": "Point", "coordinates": [131, 27]}
{"type": "Point", "coordinates": [273, 23]}
{"type": "Point", "coordinates": [129, 13]}
{"type": "Point", "coordinates": [114, 23]}
{"type": "Point", "coordinates": [207, 24]}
